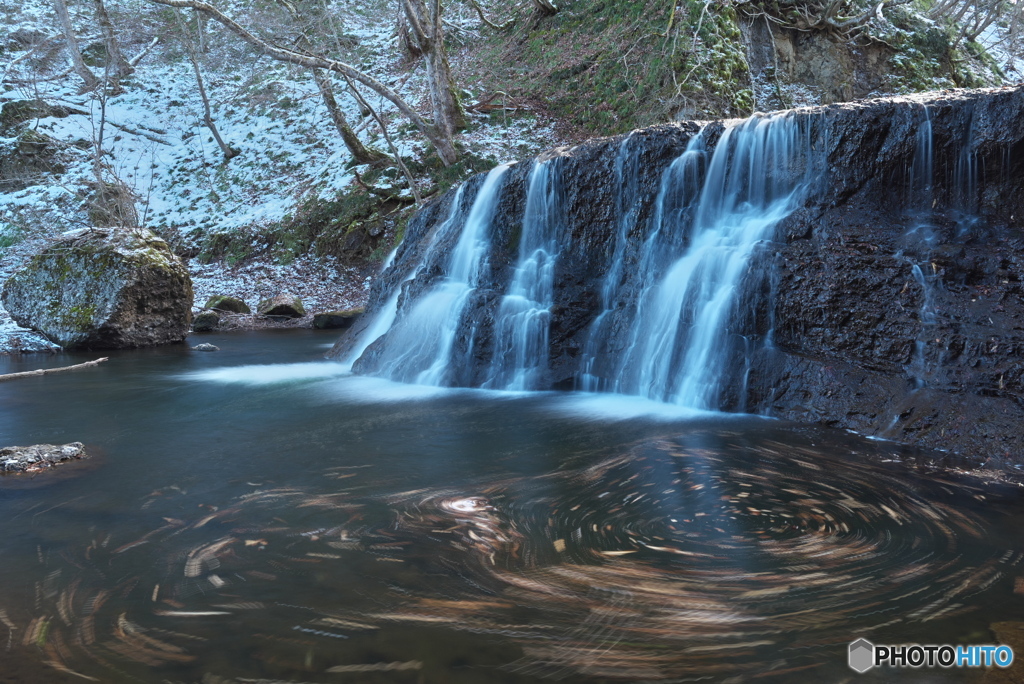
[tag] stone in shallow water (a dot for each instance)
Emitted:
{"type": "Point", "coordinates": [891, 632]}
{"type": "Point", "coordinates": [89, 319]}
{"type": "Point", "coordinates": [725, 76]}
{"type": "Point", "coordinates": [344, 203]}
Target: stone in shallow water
{"type": "Point", "coordinates": [227, 303]}
{"type": "Point", "coordinates": [206, 346]}
{"type": "Point", "coordinates": [205, 321]}
{"type": "Point", "coordinates": [336, 319]}
{"type": "Point", "coordinates": [104, 289]}
{"type": "Point", "coordinates": [27, 459]}
{"type": "Point", "coordinates": [282, 305]}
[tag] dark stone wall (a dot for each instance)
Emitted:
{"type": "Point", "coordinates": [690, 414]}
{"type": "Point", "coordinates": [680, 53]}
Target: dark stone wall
{"type": "Point", "coordinates": [833, 312]}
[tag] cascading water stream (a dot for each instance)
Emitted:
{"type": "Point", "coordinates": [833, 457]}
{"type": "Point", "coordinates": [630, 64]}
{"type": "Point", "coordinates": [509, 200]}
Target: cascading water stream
{"type": "Point", "coordinates": [686, 283]}
{"type": "Point", "coordinates": [524, 316]}
{"type": "Point", "coordinates": [385, 318]}
{"type": "Point", "coordinates": [965, 182]}
{"type": "Point", "coordinates": [921, 238]}
{"type": "Point", "coordinates": [626, 176]}
{"type": "Point", "coordinates": [922, 172]}
{"type": "Point", "coordinates": [928, 319]}
{"type": "Point", "coordinates": [680, 351]}
{"type": "Point", "coordinates": [420, 343]}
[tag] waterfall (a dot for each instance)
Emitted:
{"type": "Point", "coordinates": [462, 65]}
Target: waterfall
{"type": "Point", "coordinates": [671, 315]}
{"type": "Point", "coordinates": [922, 170]}
{"type": "Point", "coordinates": [420, 344]}
{"type": "Point", "coordinates": [681, 347]}
{"type": "Point", "coordinates": [524, 315]}
{"type": "Point", "coordinates": [385, 317]}
{"type": "Point", "coordinates": [928, 319]}
{"type": "Point", "coordinates": [626, 179]}
{"type": "Point", "coordinates": [922, 236]}
{"type": "Point", "coordinates": [965, 181]}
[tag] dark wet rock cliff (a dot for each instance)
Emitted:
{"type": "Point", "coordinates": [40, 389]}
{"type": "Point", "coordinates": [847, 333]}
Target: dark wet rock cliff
{"type": "Point", "coordinates": [891, 302]}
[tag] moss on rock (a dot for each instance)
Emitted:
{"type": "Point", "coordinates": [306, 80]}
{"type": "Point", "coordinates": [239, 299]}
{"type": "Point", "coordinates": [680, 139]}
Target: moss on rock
{"type": "Point", "coordinates": [105, 288]}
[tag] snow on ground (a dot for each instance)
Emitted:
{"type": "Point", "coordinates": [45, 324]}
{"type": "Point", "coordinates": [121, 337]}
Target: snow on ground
{"type": "Point", "coordinates": [321, 282]}
{"type": "Point", "coordinates": [999, 43]}
{"type": "Point", "coordinates": [154, 140]}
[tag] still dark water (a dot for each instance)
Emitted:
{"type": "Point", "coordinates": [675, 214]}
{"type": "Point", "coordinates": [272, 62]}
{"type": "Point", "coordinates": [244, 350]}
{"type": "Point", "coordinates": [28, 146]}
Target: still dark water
{"type": "Point", "coordinates": [256, 515]}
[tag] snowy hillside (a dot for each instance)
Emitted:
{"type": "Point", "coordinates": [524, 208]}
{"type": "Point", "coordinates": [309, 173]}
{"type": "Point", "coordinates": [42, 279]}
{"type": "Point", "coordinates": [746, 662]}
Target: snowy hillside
{"type": "Point", "coordinates": [155, 142]}
{"type": "Point", "coordinates": [242, 224]}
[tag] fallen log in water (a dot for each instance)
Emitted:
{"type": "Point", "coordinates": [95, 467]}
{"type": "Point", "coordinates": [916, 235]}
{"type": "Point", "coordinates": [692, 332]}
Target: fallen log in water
{"type": "Point", "coordinates": [47, 371]}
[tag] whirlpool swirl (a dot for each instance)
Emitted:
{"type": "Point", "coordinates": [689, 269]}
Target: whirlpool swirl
{"type": "Point", "coordinates": [669, 560]}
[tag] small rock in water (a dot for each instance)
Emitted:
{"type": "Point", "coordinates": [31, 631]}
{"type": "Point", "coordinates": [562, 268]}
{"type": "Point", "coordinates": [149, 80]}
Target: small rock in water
{"type": "Point", "coordinates": [282, 305]}
{"type": "Point", "coordinates": [205, 321]}
{"type": "Point", "coordinates": [28, 459]}
{"type": "Point", "coordinates": [206, 346]}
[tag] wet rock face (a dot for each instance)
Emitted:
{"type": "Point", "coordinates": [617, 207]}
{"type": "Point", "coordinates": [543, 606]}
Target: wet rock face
{"type": "Point", "coordinates": [887, 305]}
{"type": "Point", "coordinates": [104, 289]}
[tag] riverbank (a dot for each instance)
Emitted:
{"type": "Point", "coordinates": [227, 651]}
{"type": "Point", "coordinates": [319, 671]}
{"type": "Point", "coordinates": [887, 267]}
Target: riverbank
{"type": "Point", "coordinates": [323, 284]}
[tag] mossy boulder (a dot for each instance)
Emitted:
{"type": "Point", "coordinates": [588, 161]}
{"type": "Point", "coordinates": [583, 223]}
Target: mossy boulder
{"type": "Point", "coordinates": [103, 289]}
{"type": "Point", "coordinates": [16, 112]}
{"type": "Point", "coordinates": [282, 305]}
{"type": "Point", "coordinates": [228, 304]}
{"type": "Point", "coordinates": [336, 319]}
{"type": "Point", "coordinates": [205, 321]}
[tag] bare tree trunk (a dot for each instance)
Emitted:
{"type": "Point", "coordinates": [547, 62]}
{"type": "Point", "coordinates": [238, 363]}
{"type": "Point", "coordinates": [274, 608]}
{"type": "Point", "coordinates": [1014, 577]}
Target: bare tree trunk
{"type": "Point", "coordinates": [91, 82]}
{"type": "Point", "coordinates": [546, 6]}
{"type": "Point", "coordinates": [406, 42]}
{"type": "Point", "coordinates": [228, 151]}
{"type": "Point", "coordinates": [352, 142]}
{"type": "Point", "coordinates": [438, 137]}
{"type": "Point", "coordinates": [201, 30]}
{"type": "Point", "coordinates": [384, 129]}
{"type": "Point", "coordinates": [428, 31]}
{"type": "Point", "coordinates": [117, 66]}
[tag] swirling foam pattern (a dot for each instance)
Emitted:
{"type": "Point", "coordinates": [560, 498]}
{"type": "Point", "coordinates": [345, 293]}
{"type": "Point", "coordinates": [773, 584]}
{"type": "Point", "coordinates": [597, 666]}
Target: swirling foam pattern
{"type": "Point", "coordinates": [669, 561]}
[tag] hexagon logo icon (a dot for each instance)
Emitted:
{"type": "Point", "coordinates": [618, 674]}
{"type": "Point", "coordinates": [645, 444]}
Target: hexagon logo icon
{"type": "Point", "coordinates": [862, 656]}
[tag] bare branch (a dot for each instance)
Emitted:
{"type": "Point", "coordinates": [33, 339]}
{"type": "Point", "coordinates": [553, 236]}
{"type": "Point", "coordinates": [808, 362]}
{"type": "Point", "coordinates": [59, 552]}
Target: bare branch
{"type": "Point", "coordinates": [441, 139]}
{"type": "Point", "coordinates": [384, 129]}
{"type": "Point", "coordinates": [487, 22]}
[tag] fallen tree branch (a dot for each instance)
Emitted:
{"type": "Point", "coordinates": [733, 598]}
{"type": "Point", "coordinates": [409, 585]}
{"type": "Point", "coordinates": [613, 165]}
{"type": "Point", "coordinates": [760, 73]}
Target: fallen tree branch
{"type": "Point", "coordinates": [134, 61]}
{"type": "Point", "coordinates": [47, 371]}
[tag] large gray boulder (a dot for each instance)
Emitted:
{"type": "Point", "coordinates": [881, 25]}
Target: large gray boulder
{"type": "Point", "coordinates": [104, 289]}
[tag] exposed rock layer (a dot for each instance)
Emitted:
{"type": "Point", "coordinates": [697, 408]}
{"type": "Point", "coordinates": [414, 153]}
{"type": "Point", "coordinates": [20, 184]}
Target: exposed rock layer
{"type": "Point", "coordinates": [843, 330]}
